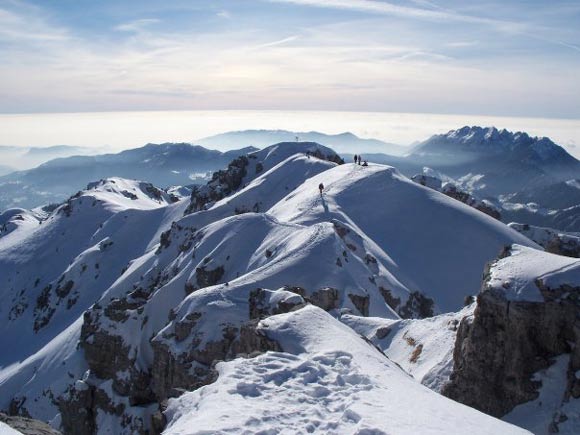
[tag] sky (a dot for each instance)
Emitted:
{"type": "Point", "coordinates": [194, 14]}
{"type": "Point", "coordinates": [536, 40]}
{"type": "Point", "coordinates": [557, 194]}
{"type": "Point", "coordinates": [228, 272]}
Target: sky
{"type": "Point", "coordinates": [490, 57]}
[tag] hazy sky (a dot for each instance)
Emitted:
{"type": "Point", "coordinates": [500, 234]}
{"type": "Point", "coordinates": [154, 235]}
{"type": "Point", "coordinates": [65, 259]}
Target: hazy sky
{"type": "Point", "coordinates": [492, 57]}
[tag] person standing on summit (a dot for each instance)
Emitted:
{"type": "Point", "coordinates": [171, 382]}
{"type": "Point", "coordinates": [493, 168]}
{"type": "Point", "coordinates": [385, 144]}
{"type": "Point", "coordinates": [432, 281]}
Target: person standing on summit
{"type": "Point", "coordinates": [355, 159]}
{"type": "Point", "coordinates": [321, 188]}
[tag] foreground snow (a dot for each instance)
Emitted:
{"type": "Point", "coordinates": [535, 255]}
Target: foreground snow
{"type": "Point", "coordinates": [327, 380]}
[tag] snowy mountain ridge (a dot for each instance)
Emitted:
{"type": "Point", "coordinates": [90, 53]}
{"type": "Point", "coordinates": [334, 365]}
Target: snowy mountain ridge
{"type": "Point", "coordinates": [133, 312]}
{"type": "Point", "coordinates": [491, 140]}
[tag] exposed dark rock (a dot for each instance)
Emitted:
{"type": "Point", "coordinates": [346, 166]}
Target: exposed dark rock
{"type": "Point", "coordinates": [261, 307]}
{"type": "Point", "coordinates": [207, 277]}
{"type": "Point", "coordinates": [391, 300]}
{"type": "Point", "coordinates": [174, 373]}
{"type": "Point", "coordinates": [64, 290]}
{"type": "Point", "coordinates": [417, 306]}
{"type": "Point", "coordinates": [28, 426]}
{"type": "Point", "coordinates": [326, 298]}
{"type": "Point", "coordinates": [553, 241]}
{"type": "Point", "coordinates": [77, 410]}
{"type": "Point", "coordinates": [222, 184]}
{"type": "Point", "coordinates": [506, 342]}
{"type": "Point", "coordinates": [184, 327]}
{"type": "Point", "coordinates": [129, 195]}
{"type": "Point", "coordinates": [361, 303]}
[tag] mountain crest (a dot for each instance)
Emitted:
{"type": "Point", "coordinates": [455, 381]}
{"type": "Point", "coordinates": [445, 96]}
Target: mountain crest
{"type": "Point", "coordinates": [491, 142]}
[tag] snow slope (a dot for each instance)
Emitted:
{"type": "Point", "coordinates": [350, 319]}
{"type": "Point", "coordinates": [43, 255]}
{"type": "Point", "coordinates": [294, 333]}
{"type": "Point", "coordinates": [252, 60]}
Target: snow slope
{"type": "Point", "coordinates": [263, 191]}
{"type": "Point", "coordinates": [175, 293]}
{"type": "Point", "coordinates": [51, 272]}
{"type": "Point", "coordinates": [16, 220]}
{"type": "Point", "coordinates": [421, 347]}
{"type": "Point", "coordinates": [535, 414]}
{"type": "Point", "coordinates": [7, 430]}
{"type": "Point", "coordinates": [326, 380]}
{"type": "Point", "coordinates": [437, 245]}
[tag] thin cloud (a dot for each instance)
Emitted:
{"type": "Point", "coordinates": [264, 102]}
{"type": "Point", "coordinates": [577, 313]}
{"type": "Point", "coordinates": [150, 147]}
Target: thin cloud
{"type": "Point", "coordinates": [462, 44]}
{"type": "Point", "coordinates": [136, 25]}
{"type": "Point", "coordinates": [278, 42]}
{"type": "Point", "coordinates": [434, 13]}
{"type": "Point", "coordinates": [17, 27]}
{"type": "Point", "coordinates": [385, 8]}
{"type": "Point", "coordinates": [224, 14]}
{"type": "Point", "coordinates": [424, 55]}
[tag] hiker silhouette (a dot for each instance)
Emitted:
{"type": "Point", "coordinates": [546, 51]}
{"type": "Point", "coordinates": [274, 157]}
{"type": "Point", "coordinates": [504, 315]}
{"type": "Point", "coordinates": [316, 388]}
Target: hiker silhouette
{"type": "Point", "coordinates": [321, 187]}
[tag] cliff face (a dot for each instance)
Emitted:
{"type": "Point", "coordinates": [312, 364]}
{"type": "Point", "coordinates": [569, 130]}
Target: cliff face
{"type": "Point", "coordinates": [527, 314]}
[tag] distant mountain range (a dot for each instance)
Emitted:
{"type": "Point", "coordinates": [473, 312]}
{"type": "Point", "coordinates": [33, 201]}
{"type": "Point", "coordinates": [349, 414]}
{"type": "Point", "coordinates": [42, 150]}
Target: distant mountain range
{"type": "Point", "coordinates": [165, 165]}
{"type": "Point", "coordinates": [5, 170]}
{"type": "Point", "coordinates": [342, 143]}
{"type": "Point", "coordinates": [532, 178]}
{"type": "Point", "coordinates": [528, 179]}
{"type": "Point", "coordinates": [509, 162]}
{"type": "Point", "coordinates": [21, 158]}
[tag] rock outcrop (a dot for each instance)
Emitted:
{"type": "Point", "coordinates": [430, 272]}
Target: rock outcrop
{"type": "Point", "coordinates": [27, 426]}
{"type": "Point", "coordinates": [455, 192]}
{"type": "Point", "coordinates": [520, 325]}
{"type": "Point", "coordinates": [554, 241]}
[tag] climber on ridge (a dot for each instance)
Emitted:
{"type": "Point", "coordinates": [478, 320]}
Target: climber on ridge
{"type": "Point", "coordinates": [321, 188]}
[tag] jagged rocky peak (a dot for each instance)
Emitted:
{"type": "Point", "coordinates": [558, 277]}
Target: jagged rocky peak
{"type": "Point", "coordinates": [488, 140]}
{"type": "Point", "coordinates": [246, 168]}
{"type": "Point", "coordinates": [520, 352]}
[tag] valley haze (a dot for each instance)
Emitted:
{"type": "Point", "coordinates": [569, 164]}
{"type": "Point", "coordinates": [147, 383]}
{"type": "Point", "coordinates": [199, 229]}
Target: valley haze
{"type": "Point", "coordinates": [123, 130]}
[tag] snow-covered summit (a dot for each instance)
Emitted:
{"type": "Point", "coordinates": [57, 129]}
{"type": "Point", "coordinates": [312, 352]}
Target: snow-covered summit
{"type": "Point", "coordinates": [242, 170]}
{"type": "Point", "coordinates": [490, 140]}
{"type": "Point", "coordinates": [425, 234]}
{"type": "Point", "coordinates": [127, 193]}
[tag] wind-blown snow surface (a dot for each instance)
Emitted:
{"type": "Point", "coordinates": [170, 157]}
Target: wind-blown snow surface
{"type": "Point", "coordinates": [326, 380]}
{"type": "Point", "coordinates": [435, 244]}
